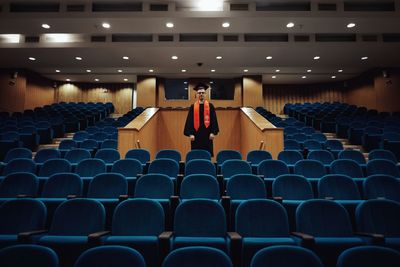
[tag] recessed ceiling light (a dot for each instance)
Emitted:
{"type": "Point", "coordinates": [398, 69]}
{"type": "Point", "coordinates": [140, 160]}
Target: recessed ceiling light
{"type": "Point", "coordinates": [211, 82]}
{"type": "Point", "coordinates": [290, 25]}
{"type": "Point", "coordinates": [96, 80]}
{"type": "Point", "coordinates": [268, 57]}
{"type": "Point", "coordinates": [277, 70]}
{"type": "Point", "coordinates": [88, 70]}
{"type": "Point", "coordinates": [106, 25]}
{"type": "Point", "coordinates": [303, 77]}
{"type": "Point", "coordinates": [68, 80]}
{"type": "Point", "coordinates": [309, 70]}
{"type": "Point", "coordinates": [273, 77]}
{"type": "Point", "coordinates": [78, 58]}
{"type": "Point", "coordinates": [364, 58]}
{"type": "Point", "coordinates": [245, 70]}
{"type": "Point", "coordinates": [32, 58]}
{"type": "Point", "coordinates": [151, 70]}
{"type": "Point", "coordinates": [340, 70]}
{"type": "Point", "coordinates": [351, 25]}
{"type": "Point", "coordinates": [174, 57]}
{"type": "Point", "coordinates": [226, 24]}
{"type": "Point", "coordinates": [218, 57]}
{"type": "Point", "coordinates": [125, 57]}
{"type": "Point", "coordinates": [45, 26]}
{"type": "Point", "coordinates": [183, 70]}
{"type": "Point", "coordinates": [119, 70]}
{"type": "Point", "coordinates": [213, 70]}
{"type": "Point", "coordinates": [317, 57]}
{"type": "Point", "coordinates": [185, 82]}
{"type": "Point", "coordinates": [58, 71]}
{"type": "Point", "coordinates": [169, 25]}
{"type": "Point", "coordinates": [333, 77]}
{"type": "Point", "coordinates": [125, 79]}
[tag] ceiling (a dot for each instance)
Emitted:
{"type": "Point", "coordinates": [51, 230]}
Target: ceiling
{"type": "Point", "coordinates": [257, 30]}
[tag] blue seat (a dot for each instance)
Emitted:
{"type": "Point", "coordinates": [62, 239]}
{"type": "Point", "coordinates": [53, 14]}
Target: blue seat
{"type": "Point", "coordinates": [227, 154]}
{"type": "Point", "coordinates": [292, 187]}
{"type": "Point", "coordinates": [338, 187]}
{"type": "Point", "coordinates": [346, 167]}
{"type": "Point", "coordinates": [381, 186]}
{"type": "Point", "coordinates": [45, 154]}
{"type": "Point", "coordinates": [291, 144]}
{"type": "Point", "coordinates": [199, 186]}
{"type": "Point", "coordinates": [320, 137]}
{"type": "Point", "coordinates": [74, 156]}
{"type": "Point", "coordinates": [380, 216]}
{"type": "Point", "coordinates": [28, 255]}
{"type": "Point", "coordinates": [72, 222]}
{"type": "Point", "coordinates": [108, 155]}
{"type": "Point", "coordinates": [200, 166]}
{"type": "Point", "coordinates": [53, 166]}
{"type": "Point", "coordinates": [169, 154]}
{"type": "Point", "coordinates": [285, 256]}
{"type": "Point", "coordinates": [90, 145]}
{"type": "Point", "coordinates": [272, 168]}
{"type": "Point", "coordinates": [355, 132]}
{"type": "Point", "coordinates": [231, 167]}
{"type": "Point", "coordinates": [382, 166]}
{"type": "Point", "coordinates": [106, 256]}
{"type": "Point", "coordinates": [141, 155]}
{"type": "Point", "coordinates": [355, 155]}
{"type": "Point", "coordinates": [20, 215]}
{"type": "Point", "coordinates": [66, 145]}
{"type": "Point", "coordinates": [45, 132]}
{"type": "Point", "coordinates": [29, 137]}
{"type": "Point", "coordinates": [137, 223]}
{"type": "Point", "coordinates": [164, 166]}
{"type": "Point", "coordinates": [334, 146]}
{"type": "Point", "coordinates": [19, 183]}
{"type": "Point", "coordinates": [371, 138]}
{"type": "Point", "coordinates": [19, 165]}
{"type": "Point", "coordinates": [254, 157]}
{"type": "Point", "coordinates": [130, 168]}
{"type": "Point", "coordinates": [61, 185]}
{"type": "Point", "coordinates": [197, 256]}
{"type": "Point", "coordinates": [369, 256]}
{"type": "Point", "coordinates": [80, 136]}
{"type": "Point", "coordinates": [7, 145]}
{"type": "Point", "coordinates": [88, 168]}
{"type": "Point", "coordinates": [110, 144]}
{"type": "Point", "coordinates": [107, 186]}
{"type": "Point", "coordinates": [198, 154]}
{"type": "Point", "coordinates": [312, 145]}
{"type": "Point", "coordinates": [255, 225]}
{"type": "Point", "coordinates": [382, 154]}
{"type": "Point", "coordinates": [310, 168]}
{"type": "Point", "coordinates": [18, 153]}
{"type": "Point", "coordinates": [323, 156]}
{"type": "Point", "coordinates": [329, 224]}
{"type": "Point", "coordinates": [290, 157]}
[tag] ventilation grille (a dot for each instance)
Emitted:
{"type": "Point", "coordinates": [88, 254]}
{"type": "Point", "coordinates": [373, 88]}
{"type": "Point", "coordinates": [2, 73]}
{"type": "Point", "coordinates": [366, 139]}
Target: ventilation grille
{"type": "Point", "coordinates": [391, 37]}
{"type": "Point", "coordinates": [369, 6]}
{"type": "Point", "coordinates": [302, 6]}
{"type": "Point", "coordinates": [369, 38]}
{"type": "Point", "coordinates": [98, 39]}
{"type": "Point", "coordinates": [301, 38]}
{"type": "Point", "coordinates": [327, 7]}
{"type": "Point", "coordinates": [117, 7]}
{"type": "Point", "coordinates": [75, 8]}
{"type": "Point", "coordinates": [266, 38]}
{"type": "Point", "coordinates": [239, 7]}
{"type": "Point", "coordinates": [32, 39]}
{"type": "Point", "coordinates": [158, 7]}
{"type": "Point", "coordinates": [198, 37]}
{"type": "Point", "coordinates": [335, 37]}
{"type": "Point", "coordinates": [231, 38]}
{"type": "Point", "coordinates": [133, 38]}
{"type": "Point", "coordinates": [166, 38]}
{"type": "Point", "coordinates": [28, 7]}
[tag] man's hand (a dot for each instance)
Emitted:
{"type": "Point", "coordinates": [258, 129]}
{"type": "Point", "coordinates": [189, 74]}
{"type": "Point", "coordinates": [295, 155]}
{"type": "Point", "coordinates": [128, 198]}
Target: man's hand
{"type": "Point", "coordinates": [211, 136]}
{"type": "Point", "coordinates": [191, 137]}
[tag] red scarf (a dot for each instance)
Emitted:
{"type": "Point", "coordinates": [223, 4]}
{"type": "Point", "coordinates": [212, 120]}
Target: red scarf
{"type": "Point", "coordinates": [197, 115]}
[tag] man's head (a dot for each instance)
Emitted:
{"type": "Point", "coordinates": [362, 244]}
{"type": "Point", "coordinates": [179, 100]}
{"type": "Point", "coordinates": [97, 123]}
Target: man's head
{"type": "Point", "coordinates": [201, 91]}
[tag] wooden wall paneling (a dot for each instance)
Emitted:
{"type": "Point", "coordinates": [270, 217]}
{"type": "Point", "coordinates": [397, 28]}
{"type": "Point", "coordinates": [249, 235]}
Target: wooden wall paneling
{"type": "Point", "coordinates": [12, 95]}
{"type": "Point", "coordinates": [252, 91]}
{"type": "Point", "coordinates": [146, 91]}
{"type": "Point", "coordinates": [39, 91]}
{"type": "Point", "coordinates": [229, 130]}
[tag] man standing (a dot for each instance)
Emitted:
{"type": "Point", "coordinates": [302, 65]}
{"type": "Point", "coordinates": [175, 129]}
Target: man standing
{"type": "Point", "coordinates": [201, 123]}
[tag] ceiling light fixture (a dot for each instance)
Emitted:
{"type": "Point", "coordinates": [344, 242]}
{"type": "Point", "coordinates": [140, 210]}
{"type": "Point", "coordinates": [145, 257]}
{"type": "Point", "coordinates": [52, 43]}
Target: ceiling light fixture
{"type": "Point", "coordinates": [333, 77]}
{"type": "Point", "coordinates": [96, 80]}
{"type": "Point", "coordinates": [68, 80]}
{"type": "Point", "coordinates": [317, 57]}
{"type": "Point", "coordinates": [183, 70]}
{"type": "Point", "coordinates": [209, 5]}
{"type": "Point", "coordinates": [120, 71]}
{"type": "Point", "coordinates": [78, 58]}
{"type": "Point", "coordinates": [32, 58]}
{"type": "Point", "coordinates": [245, 70]}
{"type": "Point", "coordinates": [218, 57]}
{"type": "Point", "coordinates": [268, 57]}
{"type": "Point", "coordinates": [151, 70]}
{"type": "Point", "coordinates": [45, 26]}
{"type": "Point", "coordinates": [364, 58]}
{"type": "Point", "coordinates": [88, 70]}
{"type": "Point", "coordinates": [303, 77]}
{"type": "Point", "coordinates": [174, 57]}
{"type": "Point", "coordinates": [58, 71]}
{"type": "Point", "coordinates": [309, 70]}
{"type": "Point", "coordinates": [351, 25]}
{"type": "Point", "coordinates": [273, 77]}
{"type": "Point", "coordinates": [340, 70]}
{"type": "Point", "coordinates": [212, 70]}
{"type": "Point", "coordinates": [290, 25]}
{"type": "Point", "coordinates": [125, 57]}
{"type": "Point", "coordinates": [125, 80]}
{"type": "Point", "coordinates": [106, 25]}
{"type": "Point", "coordinates": [226, 24]}
{"type": "Point", "coordinates": [277, 70]}
{"type": "Point", "coordinates": [169, 25]}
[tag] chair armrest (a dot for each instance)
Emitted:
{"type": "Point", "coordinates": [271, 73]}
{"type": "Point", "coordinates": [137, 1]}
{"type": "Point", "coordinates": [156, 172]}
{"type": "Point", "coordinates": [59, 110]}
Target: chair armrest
{"type": "Point", "coordinates": [329, 198]}
{"type": "Point", "coordinates": [122, 198]}
{"type": "Point", "coordinates": [261, 176]}
{"type": "Point", "coordinates": [278, 199]}
{"type": "Point", "coordinates": [234, 236]}
{"type": "Point", "coordinates": [71, 196]}
{"type": "Point", "coordinates": [164, 243]}
{"type": "Point", "coordinates": [26, 237]}
{"type": "Point", "coordinates": [307, 241]}
{"type": "Point", "coordinates": [376, 239]}
{"type": "Point", "coordinates": [179, 179]}
{"type": "Point", "coordinates": [95, 238]}
{"type": "Point", "coordinates": [226, 205]}
{"type": "Point", "coordinates": [236, 247]}
{"type": "Point", "coordinates": [165, 235]}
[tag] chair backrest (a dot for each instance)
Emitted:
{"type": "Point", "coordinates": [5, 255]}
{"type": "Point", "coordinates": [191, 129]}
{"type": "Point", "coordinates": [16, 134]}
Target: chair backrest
{"type": "Point", "coordinates": [53, 166]}
{"type": "Point", "coordinates": [142, 155]}
{"type": "Point", "coordinates": [369, 256]}
{"type": "Point", "coordinates": [67, 144]}
{"type": "Point", "coordinates": [381, 186]}
{"type": "Point", "coordinates": [108, 155]}
{"type": "Point", "coordinates": [200, 218]}
{"type": "Point", "coordinates": [138, 217]}
{"type": "Point", "coordinates": [90, 167]}
{"type": "Point", "coordinates": [61, 185]}
{"type": "Point", "coordinates": [312, 145]}
{"type": "Point", "coordinates": [334, 144]}
{"type": "Point", "coordinates": [291, 144]}
{"type": "Point", "coordinates": [382, 154]}
{"type": "Point", "coordinates": [352, 154]}
{"type": "Point", "coordinates": [197, 257]}
{"type": "Point", "coordinates": [89, 144]}
{"type": "Point", "coordinates": [127, 167]}
{"type": "Point", "coordinates": [22, 215]}
{"type": "Point", "coordinates": [200, 166]}
{"type": "Point", "coordinates": [169, 154]}
{"type": "Point", "coordinates": [320, 137]}
{"type": "Point", "coordinates": [253, 219]}
{"type": "Point", "coordinates": [76, 155]}
{"type": "Point", "coordinates": [199, 186]}
{"type": "Point", "coordinates": [20, 165]}
{"type": "Point", "coordinates": [19, 183]}
{"type": "Point", "coordinates": [103, 256]}
{"type": "Point", "coordinates": [347, 167]}
{"type": "Point", "coordinates": [292, 187]}
{"type": "Point", "coordinates": [107, 185]}
{"type": "Point", "coordinates": [28, 255]}
{"type": "Point", "coordinates": [154, 186]}
{"type": "Point", "coordinates": [338, 186]}
{"type": "Point", "coordinates": [231, 167]}
{"type": "Point", "coordinates": [256, 156]}
{"type": "Point", "coordinates": [323, 218]}
{"type": "Point", "coordinates": [309, 168]}
{"type": "Point", "coordinates": [110, 144]}
{"type": "Point", "coordinates": [164, 166]}
{"type": "Point", "coordinates": [227, 154]}
{"type": "Point", "coordinates": [18, 153]}
{"type": "Point", "coordinates": [198, 154]}
{"type": "Point", "coordinates": [282, 256]}
{"type": "Point", "coordinates": [272, 168]}
{"type": "Point", "coordinates": [80, 136]}
{"type": "Point", "coordinates": [290, 156]}
{"type": "Point", "coordinates": [245, 186]}
{"type": "Point", "coordinates": [382, 166]}
{"type": "Point", "coordinates": [323, 156]}
{"type": "Point", "coordinates": [45, 154]}
{"type": "Point", "coordinates": [78, 217]}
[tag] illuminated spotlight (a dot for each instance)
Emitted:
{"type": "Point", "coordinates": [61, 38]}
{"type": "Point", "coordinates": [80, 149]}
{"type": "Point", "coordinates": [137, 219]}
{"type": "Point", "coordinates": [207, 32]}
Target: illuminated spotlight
{"type": "Point", "coordinates": [106, 25]}
{"type": "Point", "coordinates": [226, 24]}
{"type": "Point", "coordinates": [351, 25]}
{"type": "Point", "coordinates": [174, 57]}
{"type": "Point", "coordinates": [78, 58]}
{"type": "Point", "coordinates": [32, 58]}
{"type": "Point", "coordinates": [290, 25]}
{"type": "Point", "coordinates": [317, 57]}
{"type": "Point", "coordinates": [169, 25]}
{"type": "Point", "coordinates": [125, 57]}
{"type": "Point", "coordinates": [45, 26]}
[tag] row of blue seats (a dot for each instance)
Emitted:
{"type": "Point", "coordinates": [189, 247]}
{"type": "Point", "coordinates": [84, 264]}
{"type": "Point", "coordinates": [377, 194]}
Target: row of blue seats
{"type": "Point", "coordinates": [323, 226]}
